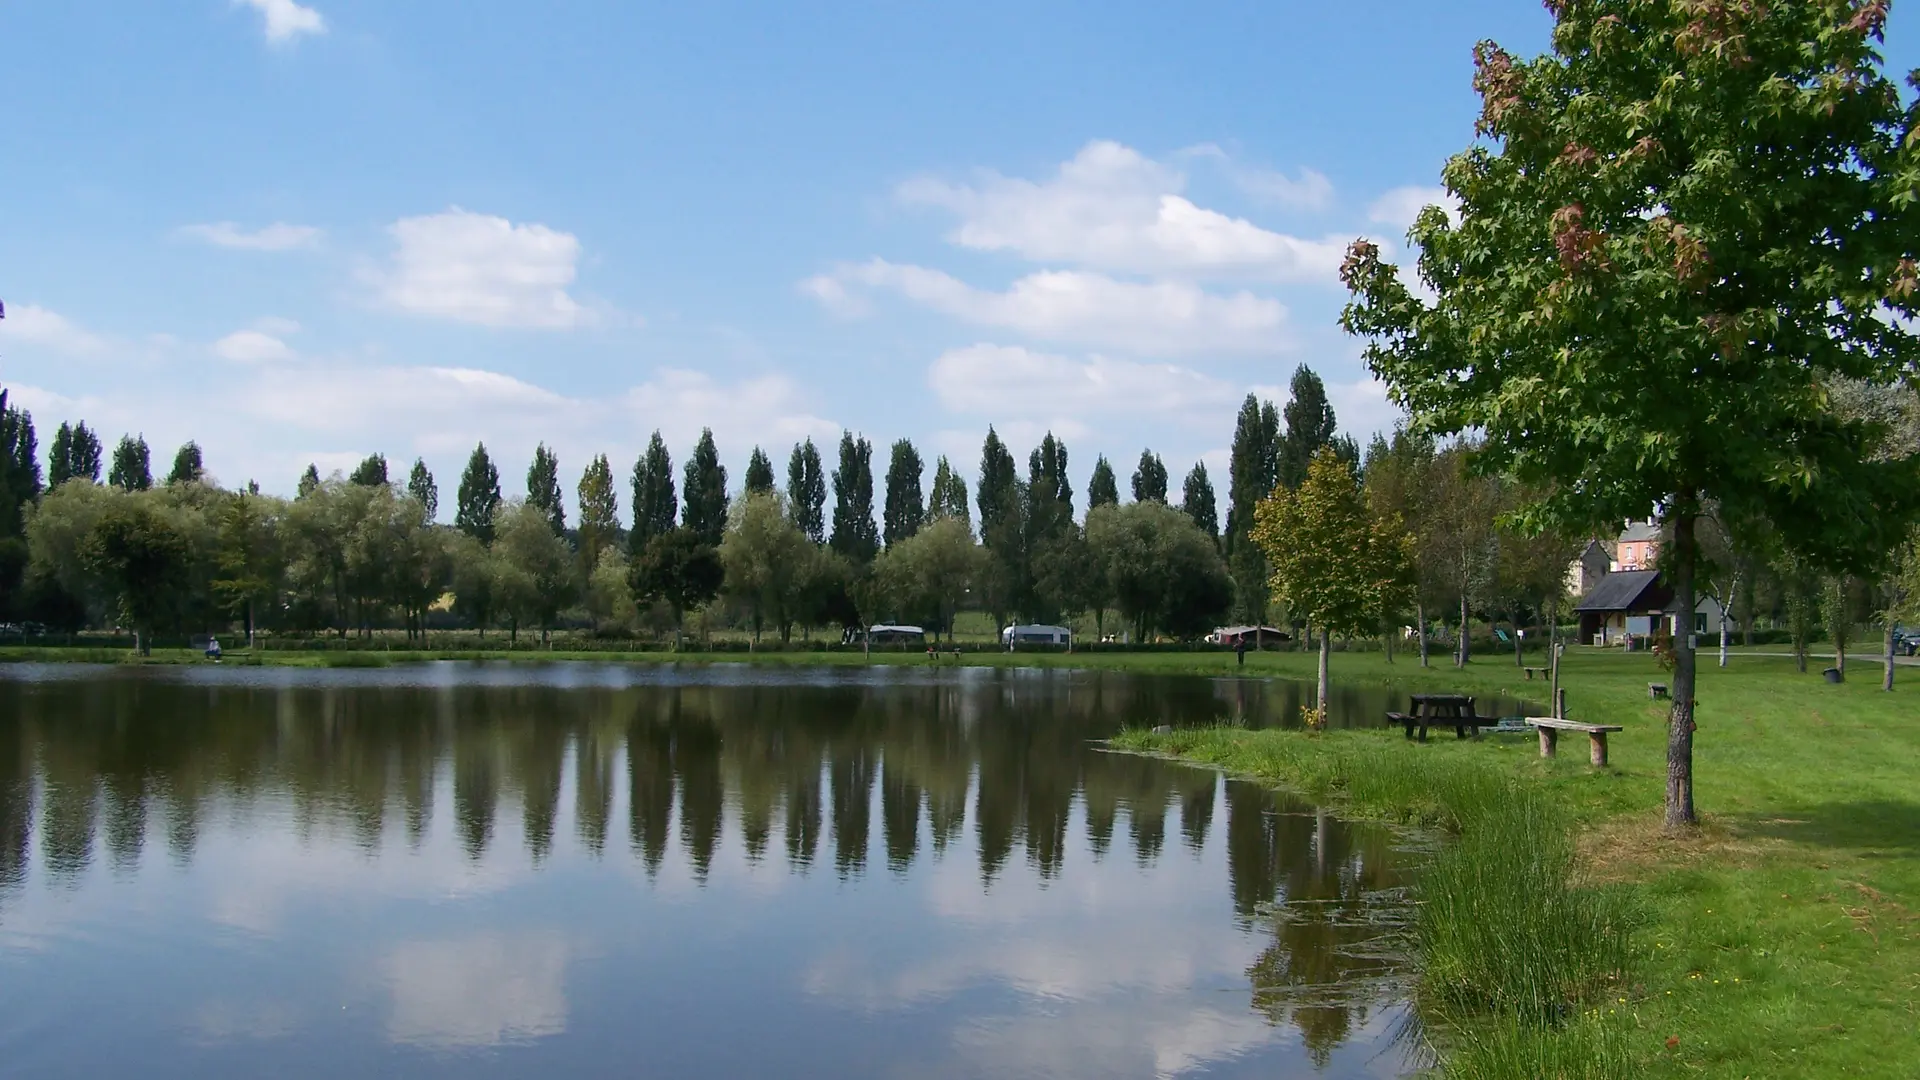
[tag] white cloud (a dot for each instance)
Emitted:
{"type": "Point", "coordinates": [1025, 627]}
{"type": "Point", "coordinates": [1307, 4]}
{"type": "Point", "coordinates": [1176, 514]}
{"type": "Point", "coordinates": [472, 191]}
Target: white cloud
{"type": "Point", "coordinates": [278, 236]}
{"type": "Point", "coordinates": [1398, 208]}
{"type": "Point", "coordinates": [998, 379]}
{"type": "Point", "coordinates": [1113, 208]}
{"type": "Point", "coordinates": [1310, 190]}
{"type": "Point", "coordinates": [481, 269]}
{"type": "Point", "coordinates": [286, 20]}
{"type": "Point", "coordinates": [252, 347]}
{"type": "Point", "coordinates": [1077, 306]}
{"type": "Point", "coordinates": [35, 325]}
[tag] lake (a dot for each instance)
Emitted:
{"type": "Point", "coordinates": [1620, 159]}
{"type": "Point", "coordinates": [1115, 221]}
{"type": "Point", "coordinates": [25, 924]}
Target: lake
{"type": "Point", "coordinates": [515, 870]}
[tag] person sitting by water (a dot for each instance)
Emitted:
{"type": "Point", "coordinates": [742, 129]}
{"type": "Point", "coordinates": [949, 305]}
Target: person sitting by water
{"type": "Point", "coordinates": [213, 649]}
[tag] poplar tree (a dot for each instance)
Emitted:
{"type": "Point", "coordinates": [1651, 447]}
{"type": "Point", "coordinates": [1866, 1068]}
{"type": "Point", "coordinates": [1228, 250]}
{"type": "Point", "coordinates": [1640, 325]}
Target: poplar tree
{"type": "Point", "coordinates": [1049, 492]}
{"type": "Point", "coordinates": [188, 467]}
{"type": "Point", "coordinates": [904, 512]}
{"type": "Point", "coordinates": [703, 495]}
{"type": "Point", "coordinates": [656, 507]}
{"type": "Point", "coordinates": [370, 473]}
{"type": "Point", "coordinates": [854, 533]}
{"type": "Point", "coordinates": [599, 510]}
{"type": "Point", "coordinates": [420, 485]}
{"type": "Point", "coordinates": [948, 499]}
{"type": "Point", "coordinates": [309, 481]}
{"type": "Point", "coordinates": [1252, 475]}
{"type": "Point", "coordinates": [1150, 479]}
{"type": "Point", "coordinates": [543, 489]}
{"type": "Point", "coordinates": [1103, 489]}
{"type": "Point", "coordinates": [807, 491]}
{"type": "Point", "coordinates": [1197, 502]}
{"type": "Point", "coordinates": [479, 496]}
{"type": "Point", "coordinates": [997, 481]}
{"type": "Point", "coordinates": [759, 472]}
{"type": "Point", "coordinates": [19, 454]}
{"type": "Point", "coordinates": [1310, 425]}
{"type": "Point", "coordinates": [60, 457]}
{"type": "Point", "coordinates": [1674, 232]}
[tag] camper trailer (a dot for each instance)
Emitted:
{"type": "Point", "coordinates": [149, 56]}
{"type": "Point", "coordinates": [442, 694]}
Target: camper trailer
{"type": "Point", "coordinates": [1036, 635]}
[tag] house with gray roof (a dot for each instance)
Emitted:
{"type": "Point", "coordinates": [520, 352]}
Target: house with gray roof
{"type": "Point", "coordinates": [1628, 604]}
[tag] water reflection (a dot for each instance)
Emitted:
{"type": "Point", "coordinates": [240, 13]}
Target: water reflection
{"type": "Point", "coordinates": [894, 844]}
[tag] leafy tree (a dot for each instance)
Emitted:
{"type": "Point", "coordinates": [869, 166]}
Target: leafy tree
{"type": "Point", "coordinates": [543, 489]}
{"type": "Point", "coordinates": [704, 494]}
{"type": "Point", "coordinates": [1252, 474]}
{"type": "Point", "coordinates": [1401, 483]}
{"type": "Point", "coordinates": [474, 574]}
{"type": "Point", "coordinates": [131, 471]}
{"type": "Point", "coordinates": [948, 499]}
{"type": "Point", "coordinates": [1049, 492]}
{"type": "Point", "coordinates": [1004, 581]}
{"type": "Point", "coordinates": [677, 569]}
{"type": "Point", "coordinates": [765, 555]}
{"type": "Point", "coordinates": [609, 597]}
{"type": "Point", "coordinates": [309, 482]}
{"type": "Point", "coordinates": [370, 473]}
{"type": "Point", "coordinates": [250, 561]}
{"type": "Point", "coordinates": [998, 477]}
{"type": "Point", "coordinates": [142, 559]}
{"type": "Point", "coordinates": [421, 487]}
{"type": "Point", "coordinates": [807, 491]}
{"type": "Point", "coordinates": [1335, 564]}
{"type": "Point", "coordinates": [539, 576]}
{"type": "Point", "coordinates": [655, 507]}
{"type": "Point", "coordinates": [1196, 501]}
{"type": "Point", "coordinates": [931, 571]}
{"type": "Point", "coordinates": [759, 471]}
{"type": "Point", "coordinates": [1460, 538]}
{"type": "Point", "coordinates": [854, 534]}
{"type": "Point", "coordinates": [904, 511]}
{"type": "Point", "coordinates": [1150, 479]}
{"type": "Point", "coordinates": [1684, 220]}
{"type": "Point", "coordinates": [1310, 427]}
{"type": "Point", "coordinates": [479, 496]}
{"type": "Point", "coordinates": [1799, 589]}
{"type": "Point", "coordinates": [188, 466]}
{"type": "Point", "coordinates": [1102, 489]}
{"type": "Point", "coordinates": [599, 510]}
{"type": "Point", "coordinates": [20, 478]}
{"type": "Point", "coordinates": [1836, 614]}
{"type": "Point", "coordinates": [1066, 578]}
{"type": "Point", "coordinates": [1164, 574]}
{"type": "Point", "coordinates": [75, 454]}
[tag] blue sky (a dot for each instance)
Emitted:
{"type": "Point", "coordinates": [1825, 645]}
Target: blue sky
{"type": "Point", "coordinates": [307, 231]}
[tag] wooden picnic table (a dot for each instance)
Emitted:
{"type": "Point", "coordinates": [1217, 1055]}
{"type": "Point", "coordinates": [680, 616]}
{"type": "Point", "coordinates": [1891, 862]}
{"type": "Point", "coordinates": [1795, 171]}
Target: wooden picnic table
{"type": "Point", "coordinates": [1442, 711]}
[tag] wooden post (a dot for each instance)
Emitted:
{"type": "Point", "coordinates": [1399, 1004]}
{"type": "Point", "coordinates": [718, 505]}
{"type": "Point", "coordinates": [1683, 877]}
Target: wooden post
{"type": "Point", "coordinates": [1549, 740]}
{"type": "Point", "coordinates": [1560, 703]}
{"type": "Point", "coordinates": [1598, 747]}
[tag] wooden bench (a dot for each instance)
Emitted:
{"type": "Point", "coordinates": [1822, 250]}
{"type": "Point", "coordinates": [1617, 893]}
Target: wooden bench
{"type": "Point", "coordinates": [1656, 691]}
{"type": "Point", "coordinates": [1543, 672]}
{"type": "Point", "coordinates": [1462, 726]}
{"type": "Point", "coordinates": [1551, 728]}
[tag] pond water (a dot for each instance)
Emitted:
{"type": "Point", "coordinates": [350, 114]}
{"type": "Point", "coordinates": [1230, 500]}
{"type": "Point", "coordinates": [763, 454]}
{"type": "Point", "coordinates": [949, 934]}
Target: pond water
{"type": "Point", "coordinates": [604, 870]}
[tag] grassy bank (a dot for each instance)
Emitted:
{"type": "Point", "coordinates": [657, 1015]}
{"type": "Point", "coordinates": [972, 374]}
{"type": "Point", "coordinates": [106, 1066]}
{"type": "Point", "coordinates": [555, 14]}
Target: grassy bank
{"type": "Point", "coordinates": [1783, 939]}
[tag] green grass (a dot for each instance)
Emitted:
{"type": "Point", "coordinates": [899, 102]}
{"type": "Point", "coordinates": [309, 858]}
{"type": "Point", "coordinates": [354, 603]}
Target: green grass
{"type": "Point", "coordinates": [1780, 939]}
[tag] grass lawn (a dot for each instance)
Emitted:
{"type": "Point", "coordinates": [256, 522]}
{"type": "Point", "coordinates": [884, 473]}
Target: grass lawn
{"type": "Point", "coordinates": [1781, 940]}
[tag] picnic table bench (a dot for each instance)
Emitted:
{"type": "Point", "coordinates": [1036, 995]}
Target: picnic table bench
{"type": "Point", "coordinates": [1442, 711]}
{"type": "Point", "coordinates": [1550, 729]}
{"type": "Point", "coordinates": [1541, 671]}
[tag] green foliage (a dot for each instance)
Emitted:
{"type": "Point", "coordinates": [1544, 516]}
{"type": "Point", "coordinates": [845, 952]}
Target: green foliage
{"type": "Point", "coordinates": [131, 469]}
{"type": "Point", "coordinates": [904, 512]}
{"type": "Point", "coordinates": [371, 472]}
{"type": "Point", "coordinates": [188, 465]}
{"type": "Point", "coordinates": [309, 482]}
{"type": "Point", "coordinates": [1162, 572]}
{"type": "Point", "coordinates": [1102, 489]}
{"type": "Point", "coordinates": [655, 507]}
{"type": "Point", "coordinates": [250, 560]}
{"type": "Point", "coordinates": [599, 510]}
{"type": "Point", "coordinates": [807, 491]}
{"type": "Point", "coordinates": [1150, 478]}
{"type": "Point", "coordinates": [1197, 502]}
{"type": "Point", "coordinates": [678, 569]}
{"type": "Point", "coordinates": [997, 497]}
{"type": "Point", "coordinates": [1334, 563]}
{"type": "Point", "coordinates": [422, 489]}
{"type": "Point", "coordinates": [759, 471]}
{"type": "Point", "coordinates": [140, 558]}
{"type": "Point", "coordinates": [1310, 428]}
{"type": "Point", "coordinates": [536, 576]}
{"type": "Point", "coordinates": [854, 533]}
{"type": "Point", "coordinates": [543, 489]}
{"type": "Point", "coordinates": [766, 558]}
{"type": "Point", "coordinates": [479, 496]}
{"type": "Point", "coordinates": [703, 506]}
{"type": "Point", "coordinates": [75, 454]}
{"type": "Point", "coordinates": [1049, 493]}
{"type": "Point", "coordinates": [948, 499]}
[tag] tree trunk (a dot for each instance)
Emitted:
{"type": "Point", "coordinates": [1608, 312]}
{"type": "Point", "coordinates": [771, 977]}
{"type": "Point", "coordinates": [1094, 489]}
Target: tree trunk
{"type": "Point", "coordinates": [1886, 676]}
{"type": "Point", "coordinates": [1726, 618]}
{"type": "Point", "coordinates": [1462, 649]}
{"type": "Point", "coordinates": [1386, 639]}
{"type": "Point", "coordinates": [1519, 650]}
{"type": "Point", "coordinates": [1326, 650]}
{"type": "Point", "coordinates": [1420, 625]}
{"type": "Point", "coordinates": [1680, 723]}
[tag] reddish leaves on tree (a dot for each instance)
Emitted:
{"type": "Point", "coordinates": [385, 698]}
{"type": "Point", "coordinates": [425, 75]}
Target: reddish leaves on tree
{"type": "Point", "coordinates": [1498, 82]}
{"type": "Point", "coordinates": [1579, 246]}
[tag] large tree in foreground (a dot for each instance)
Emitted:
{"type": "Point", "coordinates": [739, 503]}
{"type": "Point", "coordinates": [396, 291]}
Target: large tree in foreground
{"type": "Point", "coordinates": [1682, 224]}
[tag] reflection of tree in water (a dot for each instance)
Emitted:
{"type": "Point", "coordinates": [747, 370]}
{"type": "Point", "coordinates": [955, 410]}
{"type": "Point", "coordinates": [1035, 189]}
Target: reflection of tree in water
{"type": "Point", "coordinates": [1337, 908]}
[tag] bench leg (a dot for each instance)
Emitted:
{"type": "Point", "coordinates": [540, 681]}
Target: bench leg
{"type": "Point", "coordinates": [1598, 741]}
{"type": "Point", "coordinates": [1409, 731]}
{"type": "Point", "coordinates": [1423, 733]}
{"type": "Point", "coordinates": [1549, 741]}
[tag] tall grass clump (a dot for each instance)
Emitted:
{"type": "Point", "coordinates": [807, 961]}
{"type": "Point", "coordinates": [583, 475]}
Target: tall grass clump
{"type": "Point", "coordinates": [1519, 961]}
